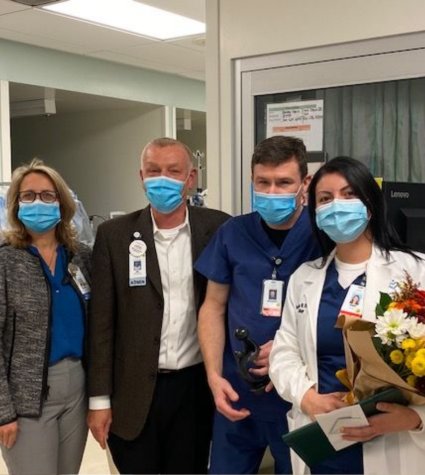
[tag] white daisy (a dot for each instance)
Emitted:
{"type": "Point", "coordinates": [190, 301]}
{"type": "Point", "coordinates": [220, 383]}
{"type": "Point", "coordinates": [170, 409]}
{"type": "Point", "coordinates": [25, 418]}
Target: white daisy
{"type": "Point", "coordinates": [393, 326]}
{"type": "Point", "coordinates": [416, 329]}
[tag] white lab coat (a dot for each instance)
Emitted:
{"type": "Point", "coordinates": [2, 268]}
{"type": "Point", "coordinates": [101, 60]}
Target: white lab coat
{"type": "Point", "coordinates": [293, 359]}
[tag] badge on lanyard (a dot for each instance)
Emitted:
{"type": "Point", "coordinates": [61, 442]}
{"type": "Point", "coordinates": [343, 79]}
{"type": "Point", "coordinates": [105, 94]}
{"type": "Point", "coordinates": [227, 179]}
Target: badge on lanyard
{"type": "Point", "coordinates": [271, 300]}
{"type": "Point", "coordinates": [137, 262]}
{"type": "Point", "coordinates": [80, 280]}
{"type": "Point", "coordinates": [353, 302]}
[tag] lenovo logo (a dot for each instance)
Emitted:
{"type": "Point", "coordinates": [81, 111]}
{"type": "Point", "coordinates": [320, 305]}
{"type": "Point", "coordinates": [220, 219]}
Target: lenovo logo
{"type": "Point", "coordinates": [400, 194]}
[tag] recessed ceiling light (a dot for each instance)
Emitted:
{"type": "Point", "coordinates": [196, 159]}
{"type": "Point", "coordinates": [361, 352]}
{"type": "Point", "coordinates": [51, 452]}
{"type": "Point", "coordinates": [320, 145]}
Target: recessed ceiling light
{"type": "Point", "coordinates": [130, 16]}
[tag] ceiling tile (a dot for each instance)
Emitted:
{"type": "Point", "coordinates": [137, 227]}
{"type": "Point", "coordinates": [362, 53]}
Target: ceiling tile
{"type": "Point", "coordinates": [191, 8]}
{"type": "Point", "coordinates": [196, 43]}
{"type": "Point", "coordinates": [43, 42]}
{"type": "Point", "coordinates": [170, 54]}
{"type": "Point", "coordinates": [8, 7]}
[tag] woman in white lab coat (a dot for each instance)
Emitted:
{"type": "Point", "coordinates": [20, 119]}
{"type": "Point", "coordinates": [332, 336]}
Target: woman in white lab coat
{"type": "Point", "coordinates": [362, 256]}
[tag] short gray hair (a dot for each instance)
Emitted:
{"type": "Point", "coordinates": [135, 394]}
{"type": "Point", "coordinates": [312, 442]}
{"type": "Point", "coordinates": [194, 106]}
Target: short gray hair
{"type": "Point", "coordinates": [168, 142]}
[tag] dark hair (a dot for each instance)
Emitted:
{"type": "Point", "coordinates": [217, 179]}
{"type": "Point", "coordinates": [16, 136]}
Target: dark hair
{"type": "Point", "coordinates": [280, 149]}
{"type": "Point", "coordinates": [367, 190]}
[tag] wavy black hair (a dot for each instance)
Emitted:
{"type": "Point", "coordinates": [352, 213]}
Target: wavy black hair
{"type": "Point", "coordinates": [368, 191]}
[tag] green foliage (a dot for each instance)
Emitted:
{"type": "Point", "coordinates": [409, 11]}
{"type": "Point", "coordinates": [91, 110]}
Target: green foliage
{"type": "Point", "coordinates": [382, 306]}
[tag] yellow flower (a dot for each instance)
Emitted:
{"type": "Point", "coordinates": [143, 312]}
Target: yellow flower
{"type": "Point", "coordinates": [408, 344]}
{"type": "Point", "coordinates": [343, 378]}
{"type": "Point", "coordinates": [420, 343]}
{"type": "Point", "coordinates": [421, 353]}
{"type": "Point", "coordinates": [396, 357]}
{"type": "Point", "coordinates": [409, 359]}
{"type": "Point", "coordinates": [418, 365]}
{"type": "Point", "coordinates": [411, 380]}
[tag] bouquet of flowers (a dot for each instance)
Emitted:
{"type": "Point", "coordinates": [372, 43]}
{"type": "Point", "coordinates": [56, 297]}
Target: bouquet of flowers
{"type": "Point", "coordinates": [390, 352]}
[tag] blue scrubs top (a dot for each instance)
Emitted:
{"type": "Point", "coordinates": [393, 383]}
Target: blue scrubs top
{"type": "Point", "coordinates": [67, 324]}
{"type": "Point", "coordinates": [330, 358]}
{"type": "Point", "coordinates": [241, 254]}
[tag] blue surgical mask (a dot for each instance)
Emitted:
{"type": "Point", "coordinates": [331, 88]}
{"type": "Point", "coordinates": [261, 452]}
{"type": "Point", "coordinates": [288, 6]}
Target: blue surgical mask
{"type": "Point", "coordinates": [164, 193]}
{"type": "Point", "coordinates": [38, 216]}
{"type": "Point", "coordinates": [275, 208]}
{"type": "Point", "coordinates": [342, 220]}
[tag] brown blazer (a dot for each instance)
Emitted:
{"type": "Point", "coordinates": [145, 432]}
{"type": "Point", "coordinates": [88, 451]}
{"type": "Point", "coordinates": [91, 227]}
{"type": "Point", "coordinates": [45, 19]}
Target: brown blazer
{"type": "Point", "coordinates": [125, 322]}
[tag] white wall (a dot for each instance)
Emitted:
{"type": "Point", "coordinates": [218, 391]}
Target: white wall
{"type": "Point", "coordinates": [242, 28]}
{"type": "Point", "coordinates": [196, 139]}
{"type": "Point", "coordinates": [46, 67]}
{"type": "Point", "coordinates": [96, 152]}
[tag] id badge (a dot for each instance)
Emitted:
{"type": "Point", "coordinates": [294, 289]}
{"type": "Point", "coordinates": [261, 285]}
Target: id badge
{"type": "Point", "coordinates": [271, 300]}
{"type": "Point", "coordinates": [137, 264]}
{"type": "Point", "coordinates": [353, 302]}
{"type": "Point", "coordinates": [80, 280]}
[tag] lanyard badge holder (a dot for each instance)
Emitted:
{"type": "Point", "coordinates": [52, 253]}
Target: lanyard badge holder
{"type": "Point", "coordinates": [245, 360]}
{"type": "Point", "coordinates": [79, 280]}
{"type": "Point", "coordinates": [137, 261]}
{"type": "Point", "coordinates": [272, 294]}
{"type": "Point", "coordinates": [353, 302]}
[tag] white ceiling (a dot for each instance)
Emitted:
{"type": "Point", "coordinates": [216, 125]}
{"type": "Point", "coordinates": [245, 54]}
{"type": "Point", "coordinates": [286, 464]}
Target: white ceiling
{"type": "Point", "coordinates": [184, 57]}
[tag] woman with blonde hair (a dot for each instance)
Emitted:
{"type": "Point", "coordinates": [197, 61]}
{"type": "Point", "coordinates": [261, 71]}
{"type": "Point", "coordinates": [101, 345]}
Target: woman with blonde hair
{"type": "Point", "coordinates": [44, 290]}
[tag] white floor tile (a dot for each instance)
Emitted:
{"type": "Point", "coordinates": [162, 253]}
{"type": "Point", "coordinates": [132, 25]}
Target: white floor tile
{"type": "Point", "coordinates": [95, 460]}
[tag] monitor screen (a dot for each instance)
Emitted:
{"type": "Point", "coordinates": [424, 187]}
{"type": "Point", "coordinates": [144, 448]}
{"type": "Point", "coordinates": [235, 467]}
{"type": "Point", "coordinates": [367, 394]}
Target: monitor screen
{"type": "Point", "coordinates": [406, 211]}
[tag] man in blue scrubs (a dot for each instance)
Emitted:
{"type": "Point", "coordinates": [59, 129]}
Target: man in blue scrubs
{"type": "Point", "coordinates": [248, 263]}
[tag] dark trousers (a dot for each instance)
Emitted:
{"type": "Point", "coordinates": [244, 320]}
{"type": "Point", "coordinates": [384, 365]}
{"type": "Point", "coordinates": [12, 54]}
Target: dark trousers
{"type": "Point", "coordinates": [177, 433]}
{"type": "Point", "coordinates": [239, 447]}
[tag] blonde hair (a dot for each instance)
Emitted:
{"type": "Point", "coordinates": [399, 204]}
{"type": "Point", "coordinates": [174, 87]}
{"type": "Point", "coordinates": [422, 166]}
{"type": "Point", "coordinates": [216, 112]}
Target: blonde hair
{"type": "Point", "coordinates": [16, 234]}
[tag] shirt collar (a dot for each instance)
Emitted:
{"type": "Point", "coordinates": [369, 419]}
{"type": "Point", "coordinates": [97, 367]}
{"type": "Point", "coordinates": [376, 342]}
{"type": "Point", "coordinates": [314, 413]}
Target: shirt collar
{"type": "Point", "coordinates": [177, 229]}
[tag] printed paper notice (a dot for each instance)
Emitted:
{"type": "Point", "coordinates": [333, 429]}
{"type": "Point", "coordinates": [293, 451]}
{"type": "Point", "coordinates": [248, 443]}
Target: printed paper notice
{"type": "Point", "coordinates": [303, 119]}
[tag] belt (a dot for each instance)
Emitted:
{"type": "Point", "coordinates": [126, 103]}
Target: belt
{"type": "Point", "coordinates": [195, 367]}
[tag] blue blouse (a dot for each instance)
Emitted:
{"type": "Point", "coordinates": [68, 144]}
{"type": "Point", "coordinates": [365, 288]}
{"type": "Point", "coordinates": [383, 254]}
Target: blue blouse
{"type": "Point", "coordinates": [67, 326]}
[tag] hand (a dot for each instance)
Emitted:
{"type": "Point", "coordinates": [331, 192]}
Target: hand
{"type": "Point", "coordinates": [394, 418]}
{"type": "Point", "coordinates": [314, 403]}
{"type": "Point", "coordinates": [262, 362]}
{"type": "Point", "coordinates": [99, 422]}
{"type": "Point", "coordinates": [8, 434]}
{"type": "Point", "coordinates": [224, 395]}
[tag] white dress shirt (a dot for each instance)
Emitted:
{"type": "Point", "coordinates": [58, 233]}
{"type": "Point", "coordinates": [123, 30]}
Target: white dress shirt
{"type": "Point", "coordinates": [179, 347]}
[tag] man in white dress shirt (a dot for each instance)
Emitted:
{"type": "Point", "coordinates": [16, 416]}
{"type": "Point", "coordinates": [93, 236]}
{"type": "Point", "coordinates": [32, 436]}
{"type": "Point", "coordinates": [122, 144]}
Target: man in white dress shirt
{"type": "Point", "coordinates": [149, 399]}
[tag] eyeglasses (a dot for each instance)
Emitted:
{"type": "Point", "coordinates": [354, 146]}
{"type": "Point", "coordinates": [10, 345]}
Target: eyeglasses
{"type": "Point", "coordinates": [47, 196]}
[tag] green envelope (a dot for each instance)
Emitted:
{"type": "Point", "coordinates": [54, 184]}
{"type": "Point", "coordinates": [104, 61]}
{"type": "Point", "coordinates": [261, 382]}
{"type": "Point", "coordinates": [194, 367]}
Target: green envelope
{"type": "Point", "coordinates": [310, 442]}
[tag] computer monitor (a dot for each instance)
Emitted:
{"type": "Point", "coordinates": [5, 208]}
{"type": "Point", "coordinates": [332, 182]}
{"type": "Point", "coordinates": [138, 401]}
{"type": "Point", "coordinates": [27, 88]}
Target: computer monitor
{"type": "Point", "coordinates": [406, 211]}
